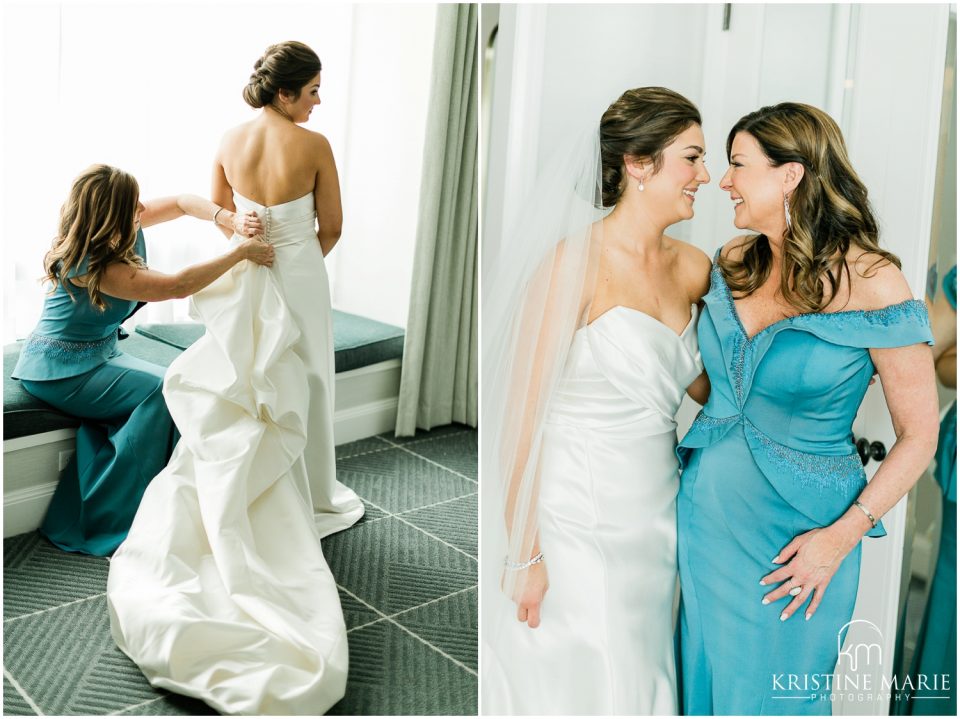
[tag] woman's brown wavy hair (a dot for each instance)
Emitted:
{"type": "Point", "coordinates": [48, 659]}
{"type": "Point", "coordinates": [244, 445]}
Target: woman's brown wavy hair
{"type": "Point", "coordinates": [97, 223]}
{"type": "Point", "coordinates": [829, 210]}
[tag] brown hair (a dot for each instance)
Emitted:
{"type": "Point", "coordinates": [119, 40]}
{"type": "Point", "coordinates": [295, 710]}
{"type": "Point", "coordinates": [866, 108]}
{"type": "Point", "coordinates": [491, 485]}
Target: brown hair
{"type": "Point", "coordinates": [829, 210]}
{"type": "Point", "coordinates": [97, 224]}
{"type": "Point", "coordinates": [640, 124]}
{"type": "Point", "coordinates": [285, 66]}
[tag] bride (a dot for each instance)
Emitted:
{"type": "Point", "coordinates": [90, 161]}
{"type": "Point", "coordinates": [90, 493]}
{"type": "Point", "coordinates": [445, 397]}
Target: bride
{"type": "Point", "coordinates": [589, 345]}
{"type": "Point", "coordinates": [221, 590]}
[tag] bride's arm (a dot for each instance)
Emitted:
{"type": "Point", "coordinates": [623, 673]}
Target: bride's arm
{"type": "Point", "coordinates": [165, 209]}
{"type": "Point", "coordinates": [326, 197]}
{"type": "Point", "coordinates": [221, 192]}
{"type": "Point", "coordinates": [699, 389]}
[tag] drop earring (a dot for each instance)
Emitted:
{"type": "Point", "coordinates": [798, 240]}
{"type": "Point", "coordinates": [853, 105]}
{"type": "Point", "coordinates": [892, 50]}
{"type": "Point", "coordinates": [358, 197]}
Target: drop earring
{"type": "Point", "coordinates": [640, 185]}
{"type": "Point", "coordinates": [786, 211]}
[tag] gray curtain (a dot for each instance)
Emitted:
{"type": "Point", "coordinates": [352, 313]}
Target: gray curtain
{"type": "Point", "coordinates": [438, 384]}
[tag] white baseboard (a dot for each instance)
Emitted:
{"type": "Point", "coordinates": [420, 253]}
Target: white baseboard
{"type": "Point", "coordinates": [24, 509]}
{"type": "Point", "coordinates": [366, 404]}
{"type": "Point", "coordinates": [365, 421]}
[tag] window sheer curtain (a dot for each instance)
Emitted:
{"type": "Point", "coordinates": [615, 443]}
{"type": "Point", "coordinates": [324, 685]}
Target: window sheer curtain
{"type": "Point", "coordinates": [151, 87]}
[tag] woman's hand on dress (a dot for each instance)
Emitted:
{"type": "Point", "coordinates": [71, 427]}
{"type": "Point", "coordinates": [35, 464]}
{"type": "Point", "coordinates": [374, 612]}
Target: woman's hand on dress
{"type": "Point", "coordinates": [812, 558]}
{"type": "Point", "coordinates": [535, 586]}
{"type": "Point", "coordinates": [258, 251]}
{"type": "Point", "coordinates": [247, 224]}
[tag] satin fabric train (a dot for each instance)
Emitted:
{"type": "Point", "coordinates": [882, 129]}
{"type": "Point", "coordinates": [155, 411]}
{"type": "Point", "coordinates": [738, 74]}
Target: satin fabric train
{"type": "Point", "coordinates": [221, 590]}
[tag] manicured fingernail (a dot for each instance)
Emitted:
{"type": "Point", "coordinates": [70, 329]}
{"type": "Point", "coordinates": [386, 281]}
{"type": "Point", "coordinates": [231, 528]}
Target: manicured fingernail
{"type": "Point", "coordinates": [783, 617]}
{"type": "Point", "coordinates": [763, 583]}
{"type": "Point", "coordinates": [776, 560]}
{"type": "Point", "coordinates": [808, 616]}
{"type": "Point", "coordinates": [764, 601]}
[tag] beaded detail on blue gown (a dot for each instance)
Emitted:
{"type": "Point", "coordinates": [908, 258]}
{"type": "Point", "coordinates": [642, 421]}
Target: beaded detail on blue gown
{"type": "Point", "coordinates": [771, 456]}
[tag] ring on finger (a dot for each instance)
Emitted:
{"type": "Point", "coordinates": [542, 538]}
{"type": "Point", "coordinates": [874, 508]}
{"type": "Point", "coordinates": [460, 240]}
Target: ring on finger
{"type": "Point", "coordinates": [796, 590]}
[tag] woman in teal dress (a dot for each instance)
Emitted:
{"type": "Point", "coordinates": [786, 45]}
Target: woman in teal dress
{"type": "Point", "coordinates": [773, 499]}
{"type": "Point", "coordinates": [936, 652]}
{"type": "Point", "coordinates": [72, 360]}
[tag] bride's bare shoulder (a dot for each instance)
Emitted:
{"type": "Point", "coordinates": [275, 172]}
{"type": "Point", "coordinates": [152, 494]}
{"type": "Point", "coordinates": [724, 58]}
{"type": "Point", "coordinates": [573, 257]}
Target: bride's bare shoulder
{"type": "Point", "coordinates": [235, 136]}
{"type": "Point", "coordinates": [693, 267]}
{"type": "Point", "coordinates": [316, 140]}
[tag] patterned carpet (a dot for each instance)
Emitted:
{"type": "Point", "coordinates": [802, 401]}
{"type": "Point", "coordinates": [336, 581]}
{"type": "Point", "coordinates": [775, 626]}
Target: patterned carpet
{"type": "Point", "coordinates": [407, 574]}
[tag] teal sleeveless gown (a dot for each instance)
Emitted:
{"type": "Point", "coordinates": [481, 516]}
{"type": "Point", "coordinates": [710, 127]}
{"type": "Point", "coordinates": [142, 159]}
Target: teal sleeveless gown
{"type": "Point", "coordinates": [771, 456]}
{"type": "Point", "coordinates": [936, 651]}
{"type": "Point", "coordinates": [72, 361]}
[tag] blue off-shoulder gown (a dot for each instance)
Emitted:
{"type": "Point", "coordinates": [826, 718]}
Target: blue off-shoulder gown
{"type": "Point", "coordinates": [771, 456]}
{"type": "Point", "coordinates": [72, 361]}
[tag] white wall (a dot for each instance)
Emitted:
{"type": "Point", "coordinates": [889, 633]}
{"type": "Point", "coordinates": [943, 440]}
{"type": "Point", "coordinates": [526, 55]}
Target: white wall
{"type": "Point", "coordinates": [595, 52]}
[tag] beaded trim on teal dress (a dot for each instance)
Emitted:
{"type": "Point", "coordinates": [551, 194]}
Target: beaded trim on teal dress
{"type": "Point", "coordinates": [810, 470]}
{"type": "Point", "coordinates": [66, 350]}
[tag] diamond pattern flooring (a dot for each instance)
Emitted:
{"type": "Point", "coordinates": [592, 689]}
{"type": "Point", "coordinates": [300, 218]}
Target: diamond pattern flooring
{"type": "Point", "coordinates": [407, 574]}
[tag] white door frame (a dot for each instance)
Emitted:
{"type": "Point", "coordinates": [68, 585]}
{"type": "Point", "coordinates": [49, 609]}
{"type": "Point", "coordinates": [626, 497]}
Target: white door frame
{"type": "Point", "coordinates": [521, 38]}
{"type": "Point", "coordinates": [892, 133]}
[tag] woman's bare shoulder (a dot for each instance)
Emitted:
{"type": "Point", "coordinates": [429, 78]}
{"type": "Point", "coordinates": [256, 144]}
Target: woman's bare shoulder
{"type": "Point", "coordinates": [693, 267]}
{"type": "Point", "coordinates": [235, 137]}
{"type": "Point", "coordinates": [876, 281]}
{"type": "Point", "coordinates": [691, 256]}
{"type": "Point", "coordinates": [318, 142]}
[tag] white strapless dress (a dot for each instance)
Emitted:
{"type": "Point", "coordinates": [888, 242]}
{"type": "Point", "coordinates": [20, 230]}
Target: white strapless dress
{"type": "Point", "coordinates": [607, 508]}
{"type": "Point", "coordinates": [221, 590]}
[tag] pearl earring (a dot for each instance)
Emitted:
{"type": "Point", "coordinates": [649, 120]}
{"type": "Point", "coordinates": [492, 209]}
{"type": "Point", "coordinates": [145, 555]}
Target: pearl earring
{"type": "Point", "coordinates": [640, 186]}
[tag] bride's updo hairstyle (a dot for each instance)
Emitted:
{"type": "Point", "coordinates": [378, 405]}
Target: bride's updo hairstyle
{"type": "Point", "coordinates": [97, 224]}
{"type": "Point", "coordinates": [640, 124]}
{"type": "Point", "coordinates": [829, 209]}
{"type": "Point", "coordinates": [285, 66]}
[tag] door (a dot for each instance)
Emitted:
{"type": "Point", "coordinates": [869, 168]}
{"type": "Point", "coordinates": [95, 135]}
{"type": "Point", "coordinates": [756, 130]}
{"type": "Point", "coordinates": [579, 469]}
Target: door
{"type": "Point", "coordinates": [893, 102]}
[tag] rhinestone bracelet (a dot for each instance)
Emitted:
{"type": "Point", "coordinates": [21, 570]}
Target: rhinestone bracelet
{"type": "Point", "coordinates": [873, 520]}
{"type": "Point", "coordinates": [516, 566]}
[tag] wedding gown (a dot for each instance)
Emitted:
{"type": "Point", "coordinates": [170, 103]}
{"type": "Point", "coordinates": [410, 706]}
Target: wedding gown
{"type": "Point", "coordinates": [221, 590]}
{"type": "Point", "coordinates": [607, 518]}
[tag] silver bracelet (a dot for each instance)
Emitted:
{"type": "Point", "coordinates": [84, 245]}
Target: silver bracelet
{"type": "Point", "coordinates": [873, 520]}
{"type": "Point", "coordinates": [215, 215]}
{"type": "Point", "coordinates": [516, 566]}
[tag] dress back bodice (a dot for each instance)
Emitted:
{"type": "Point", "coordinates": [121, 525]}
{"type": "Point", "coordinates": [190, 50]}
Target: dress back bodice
{"type": "Point", "coordinates": [73, 336]}
{"type": "Point", "coordinates": [285, 224]}
{"type": "Point", "coordinates": [627, 369]}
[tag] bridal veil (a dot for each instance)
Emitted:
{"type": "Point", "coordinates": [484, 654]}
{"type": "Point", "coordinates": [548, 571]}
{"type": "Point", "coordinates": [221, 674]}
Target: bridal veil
{"type": "Point", "coordinates": [537, 286]}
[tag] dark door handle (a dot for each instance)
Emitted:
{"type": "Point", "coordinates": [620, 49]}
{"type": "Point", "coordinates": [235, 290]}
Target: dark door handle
{"type": "Point", "coordinates": [870, 450]}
